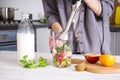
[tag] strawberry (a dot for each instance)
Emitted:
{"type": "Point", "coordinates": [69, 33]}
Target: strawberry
{"type": "Point", "coordinates": [60, 59]}
{"type": "Point", "coordinates": [50, 43]}
{"type": "Point", "coordinates": [56, 56]}
{"type": "Point", "coordinates": [62, 53]}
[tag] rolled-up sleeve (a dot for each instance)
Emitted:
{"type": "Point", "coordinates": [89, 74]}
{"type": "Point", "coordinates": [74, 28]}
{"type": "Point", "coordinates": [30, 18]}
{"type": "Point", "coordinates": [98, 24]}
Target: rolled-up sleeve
{"type": "Point", "coordinates": [107, 7]}
{"type": "Point", "coordinates": [51, 11]}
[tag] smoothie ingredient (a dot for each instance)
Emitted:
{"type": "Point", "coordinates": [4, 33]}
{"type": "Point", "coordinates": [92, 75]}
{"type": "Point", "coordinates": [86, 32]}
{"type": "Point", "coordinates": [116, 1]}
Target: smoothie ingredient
{"type": "Point", "coordinates": [92, 57]}
{"type": "Point", "coordinates": [107, 60]}
{"type": "Point", "coordinates": [62, 55]}
{"type": "Point", "coordinates": [81, 66]}
{"type": "Point", "coordinates": [42, 62]}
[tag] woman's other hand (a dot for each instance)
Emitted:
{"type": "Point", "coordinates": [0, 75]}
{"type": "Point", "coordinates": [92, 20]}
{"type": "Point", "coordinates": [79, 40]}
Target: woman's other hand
{"type": "Point", "coordinates": [51, 42]}
{"type": "Point", "coordinates": [95, 5]}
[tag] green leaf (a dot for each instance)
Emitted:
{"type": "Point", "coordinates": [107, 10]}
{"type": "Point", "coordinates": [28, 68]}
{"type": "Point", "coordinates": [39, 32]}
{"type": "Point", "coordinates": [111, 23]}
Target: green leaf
{"type": "Point", "coordinates": [67, 47]}
{"type": "Point", "coordinates": [59, 49]}
{"type": "Point", "coordinates": [42, 62]}
{"type": "Point", "coordinates": [25, 57]}
{"type": "Point", "coordinates": [31, 62]}
{"type": "Point", "coordinates": [26, 66]}
{"type": "Point", "coordinates": [34, 65]}
{"type": "Point", "coordinates": [56, 62]}
{"type": "Point", "coordinates": [23, 62]}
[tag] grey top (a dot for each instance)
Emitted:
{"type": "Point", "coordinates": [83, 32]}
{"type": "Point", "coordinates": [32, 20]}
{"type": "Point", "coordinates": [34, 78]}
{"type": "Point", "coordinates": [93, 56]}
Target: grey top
{"type": "Point", "coordinates": [91, 33]}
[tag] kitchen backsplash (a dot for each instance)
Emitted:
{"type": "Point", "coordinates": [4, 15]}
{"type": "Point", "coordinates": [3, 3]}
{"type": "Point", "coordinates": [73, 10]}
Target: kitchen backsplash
{"type": "Point", "coordinates": [34, 7]}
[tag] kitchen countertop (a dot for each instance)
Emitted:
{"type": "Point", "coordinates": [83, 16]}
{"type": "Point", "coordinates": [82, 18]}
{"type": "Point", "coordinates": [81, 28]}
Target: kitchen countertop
{"type": "Point", "coordinates": [10, 69]}
{"type": "Point", "coordinates": [113, 27]}
{"type": "Point", "coordinates": [35, 24]}
{"type": "Point", "coordinates": [39, 25]}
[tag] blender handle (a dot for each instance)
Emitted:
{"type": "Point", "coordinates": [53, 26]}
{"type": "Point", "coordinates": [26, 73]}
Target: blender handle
{"type": "Point", "coordinates": [74, 1]}
{"type": "Point", "coordinates": [75, 7]}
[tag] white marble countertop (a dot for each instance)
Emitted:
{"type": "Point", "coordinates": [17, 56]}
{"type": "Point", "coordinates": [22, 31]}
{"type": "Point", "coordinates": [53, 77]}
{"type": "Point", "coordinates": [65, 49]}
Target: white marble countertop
{"type": "Point", "coordinates": [10, 69]}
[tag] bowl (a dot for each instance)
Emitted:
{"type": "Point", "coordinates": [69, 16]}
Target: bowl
{"type": "Point", "coordinates": [92, 57]}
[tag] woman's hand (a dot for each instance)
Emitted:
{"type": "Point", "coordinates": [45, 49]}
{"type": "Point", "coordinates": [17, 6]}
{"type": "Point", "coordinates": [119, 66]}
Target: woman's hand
{"type": "Point", "coordinates": [56, 27]}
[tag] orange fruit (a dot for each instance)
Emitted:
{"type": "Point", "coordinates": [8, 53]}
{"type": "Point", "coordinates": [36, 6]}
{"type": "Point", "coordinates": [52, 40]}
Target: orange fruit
{"type": "Point", "coordinates": [107, 60]}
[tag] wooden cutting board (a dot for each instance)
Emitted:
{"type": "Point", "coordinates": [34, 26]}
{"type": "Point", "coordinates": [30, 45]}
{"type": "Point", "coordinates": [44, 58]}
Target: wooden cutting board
{"type": "Point", "coordinates": [98, 68]}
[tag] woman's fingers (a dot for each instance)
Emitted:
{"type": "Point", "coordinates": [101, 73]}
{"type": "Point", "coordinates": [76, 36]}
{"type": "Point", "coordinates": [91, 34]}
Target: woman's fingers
{"type": "Point", "coordinates": [50, 41]}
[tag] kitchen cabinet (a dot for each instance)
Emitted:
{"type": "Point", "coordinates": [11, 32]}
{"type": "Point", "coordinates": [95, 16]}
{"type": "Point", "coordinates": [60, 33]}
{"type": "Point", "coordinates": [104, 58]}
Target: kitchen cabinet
{"type": "Point", "coordinates": [42, 37]}
{"type": "Point", "coordinates": [118, 43]}
{"type": "Point", "coordinates": [115, 43]}
{"type": "Point", "coordinates": [113, 39]}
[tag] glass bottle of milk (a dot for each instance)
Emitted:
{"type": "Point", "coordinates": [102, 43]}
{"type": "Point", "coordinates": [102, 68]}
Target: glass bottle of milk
{"type": "Point", "coordinates": [25, 38]}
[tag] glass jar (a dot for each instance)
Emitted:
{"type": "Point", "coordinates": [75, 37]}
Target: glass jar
{"type": "Point", "coordinates": [61, 51]}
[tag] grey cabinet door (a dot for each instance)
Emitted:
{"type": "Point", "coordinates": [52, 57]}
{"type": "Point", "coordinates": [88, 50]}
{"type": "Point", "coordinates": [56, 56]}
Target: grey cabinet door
{"type": "Point", "coordinates": [42, 40]}
{"type": "Point", "coordinates": [117, 48]}
{"type": "Point", "coordinates": [113, 42]}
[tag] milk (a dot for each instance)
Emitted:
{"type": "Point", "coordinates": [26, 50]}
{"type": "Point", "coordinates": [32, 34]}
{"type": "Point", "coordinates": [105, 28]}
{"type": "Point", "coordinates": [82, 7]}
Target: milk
{"type": "Point", "coordinates": [26, 45]}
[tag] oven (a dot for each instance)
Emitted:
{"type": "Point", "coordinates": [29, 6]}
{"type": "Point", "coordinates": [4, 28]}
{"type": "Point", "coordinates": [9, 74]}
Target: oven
{"type": "Point", "coordinates": [8, 34]}
{"type": "Point", "coordinates": [8, 40]}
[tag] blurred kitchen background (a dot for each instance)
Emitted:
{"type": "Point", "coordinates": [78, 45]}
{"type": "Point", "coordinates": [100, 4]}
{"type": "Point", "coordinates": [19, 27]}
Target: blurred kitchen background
{"type": "Point", "coordinates": [35, 7]}
{"type": "Point", "coordinates": [8, 29]}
